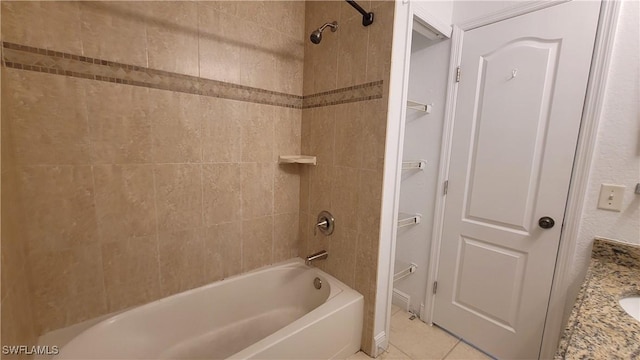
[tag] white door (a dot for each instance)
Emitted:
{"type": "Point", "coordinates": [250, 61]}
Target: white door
{"type": "Point", "coordinates": [518, 113]}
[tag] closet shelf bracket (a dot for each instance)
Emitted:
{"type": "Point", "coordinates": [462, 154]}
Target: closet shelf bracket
{"type": "Point", "coordinates": [408, 219]}
{"type": "Point", "coordinates": [402, 270]}
{"type": "Point", "coordinates": [414, 105]}
{"type": "Point", "coordinates": [414, 164]}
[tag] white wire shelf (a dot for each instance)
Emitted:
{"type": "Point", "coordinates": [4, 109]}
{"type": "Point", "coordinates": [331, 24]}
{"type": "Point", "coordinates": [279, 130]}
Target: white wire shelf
{"type": "Point", "coordinates": [414, 164]}
{"type": "Point", "coordinates": [414, 105]}
{"type": "Point", "coordinates": [402, 270]}
{"type": "Point", "coordinates": [405, 219]}
{"type": "Point", "coordinates": [297, 159]}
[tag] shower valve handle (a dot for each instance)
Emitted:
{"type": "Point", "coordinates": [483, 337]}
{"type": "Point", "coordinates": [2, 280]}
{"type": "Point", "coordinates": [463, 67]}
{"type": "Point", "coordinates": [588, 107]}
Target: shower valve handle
{"type": "Point", "coordinates": [325, 223]}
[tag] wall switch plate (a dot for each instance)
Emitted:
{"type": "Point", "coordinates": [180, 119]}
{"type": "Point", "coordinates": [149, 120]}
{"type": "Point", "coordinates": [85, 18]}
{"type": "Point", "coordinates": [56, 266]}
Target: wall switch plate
{"type": "Point", "coordinates": [611, 197]}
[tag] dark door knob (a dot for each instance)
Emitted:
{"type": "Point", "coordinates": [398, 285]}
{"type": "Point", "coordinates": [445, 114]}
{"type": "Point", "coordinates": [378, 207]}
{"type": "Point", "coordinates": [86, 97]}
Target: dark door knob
{"type": "Point", "coordinates": [546, 222]}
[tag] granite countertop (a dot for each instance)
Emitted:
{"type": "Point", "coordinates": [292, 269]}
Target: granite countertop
{"type": "Point", "coordinates": [598, 327]}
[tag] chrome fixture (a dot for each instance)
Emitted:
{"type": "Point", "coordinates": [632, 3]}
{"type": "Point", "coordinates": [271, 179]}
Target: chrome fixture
{"type": "Point", "coordinates": [316, 36]}
{"type": "Point", "coordinates": [326, 223]}
{"type": "Point", "coordinates": [320, 255]}
{"type": "Point", "coordinates": [367, 17]}
{"type": "Point", "coordinates": [317, 283]}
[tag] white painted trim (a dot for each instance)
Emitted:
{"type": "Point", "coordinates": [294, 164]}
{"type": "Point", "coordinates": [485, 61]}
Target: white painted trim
{"type": "Point", "coordinates": [400, 51]}
{"type": "Point", "coordinates": [426, 313]}
{"type": "Point", "coordinates": [401, 298]}
{"type": "Point", "coordinates": [594, 101]}
{"type": "Point", "coordinates": [425, 17]}
{"type": "Point", "coordinates": [381, 343]}
{"type": "Point", "coordinates": [517, 10]}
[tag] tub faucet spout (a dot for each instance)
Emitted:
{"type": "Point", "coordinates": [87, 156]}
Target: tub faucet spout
{"type": "Point", "coordinates": [320, 255]}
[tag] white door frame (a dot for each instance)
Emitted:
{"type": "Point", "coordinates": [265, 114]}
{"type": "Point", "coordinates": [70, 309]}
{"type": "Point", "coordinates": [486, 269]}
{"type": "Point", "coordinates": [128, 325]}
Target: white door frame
{"type": "Point", "coordinates": [401, 49]}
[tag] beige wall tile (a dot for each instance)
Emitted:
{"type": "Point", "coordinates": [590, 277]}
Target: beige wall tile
{"type": "Point", "coordinates": [303, 218]}
{"type": "Point", "coordinates": [45, 24]}
{"type": "Point", "coordinates": [221, 131]}
{"type": "Point", "coordinates": [287, 131]}
{"type": "Point", "coordinates": [342, 255]}
{"type": "Point", "coordinates": [322, 134]}
{"type": "Point", "coordinates": [46, 116]}
{"type": "Point", "coordinates": [380, 38]}
{"type": "Point", "coordinates": [125, 295]}
{"type": "Point", "coordinates": [288, 17]}
{"type": "Point", "coordinates": [257, 190]}
{"type": "Point", "coordinates": [59, 207]}
{"type": "Point", "coordinates": [181, 260]}
{"type": "Point", "coordinates": [348, 143]}
{"type": "Point", "coordinates": [321, 185]}
{"type": "Point", "coordinates": [67, 286]}
{"type": "Point", "coordinates": [223, 251]}
{"type": "Point", "coordinates": [176, 127]}
{"type": "Point", "coordinates": [119, 123]}
{"type": "Point", "coordinates": [178, 196]}
{"type": "Point", "coordinates": [141, 284]}
{"type": "Point", "coordinates": [220, 43]}
{"type": "Point", "coordinates": [258, 133]}
{"type": "Point", "coordinates": [62, 311]}
{"type": "Point", "coordinates": [286, 189]}
{"type": "Point", "coordinates": [290, 61]}
{"type": "Point", "coordinates": [285, 238]}
{"type": "Point", "coordinates": [304, 189]}
{"type": "Point", "coordinates": [125, 201]}
{"type": "Point", "coordinates": [373, 124]}
{"type": "Point", "coordinates": [222, 193]}
{"type": "Point", "coordinates": [370, 204]}
{"type": "Point", "coordinates": [352, 52]}
{"type": "Point", "coordinates": [18, 325]}
{"type": "Point", "coordinates": [131, 271]}
{"type": "Point", "coordinates": [224, 6]}
{"type": "Point", "coordinates": [344, 198]}
{"type": "Point", "coordinates": [172, 35]}
{"type": "Point", "coordinates": [258, 57]}
{"type": "Point", "coordinates": [257, 243]}
{"type": "Point", "coordinates": [115, 31]}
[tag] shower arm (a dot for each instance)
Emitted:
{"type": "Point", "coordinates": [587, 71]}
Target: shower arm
{"type": "Point", "coordinates": [367, 17]}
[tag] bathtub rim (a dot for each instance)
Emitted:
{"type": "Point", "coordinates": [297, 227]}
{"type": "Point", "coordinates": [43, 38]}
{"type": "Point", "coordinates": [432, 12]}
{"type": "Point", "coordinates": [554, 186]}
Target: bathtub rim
{"type": "Point", "coordinates": [340, 294]}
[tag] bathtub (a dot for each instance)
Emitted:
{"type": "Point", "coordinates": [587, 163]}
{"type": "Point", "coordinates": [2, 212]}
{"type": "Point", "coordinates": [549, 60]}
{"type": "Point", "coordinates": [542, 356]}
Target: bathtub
{"type": "Point", "coordinates": [271, 313]}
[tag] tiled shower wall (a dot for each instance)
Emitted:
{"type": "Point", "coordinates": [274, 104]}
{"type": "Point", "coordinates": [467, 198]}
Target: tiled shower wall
{"type": "Point", "coordinates": [145, 144]}
{"type": "Point", "coordinates": [348, 140]}
{"type": "Point", "coordinates": [17, 317]}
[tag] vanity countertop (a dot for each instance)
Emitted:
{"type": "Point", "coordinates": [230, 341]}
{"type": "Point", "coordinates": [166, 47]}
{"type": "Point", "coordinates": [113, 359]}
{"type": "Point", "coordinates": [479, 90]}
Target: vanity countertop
{"type": "Point", "coordinates": [598, 327]}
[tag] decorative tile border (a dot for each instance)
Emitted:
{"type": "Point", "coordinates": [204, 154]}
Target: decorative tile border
{"type": "Point", "coordinates": [23, 57]}
{"type": "Point", "coordinates": [362, 92]}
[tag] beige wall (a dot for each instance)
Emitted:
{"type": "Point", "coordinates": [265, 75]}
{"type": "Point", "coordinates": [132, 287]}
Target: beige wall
{"type": "Point", "coordinates": [16, 315]}
{"type": "Point", "coordinates": [133, 193]}
{"type": "Point", "coordinates": [348, 140]}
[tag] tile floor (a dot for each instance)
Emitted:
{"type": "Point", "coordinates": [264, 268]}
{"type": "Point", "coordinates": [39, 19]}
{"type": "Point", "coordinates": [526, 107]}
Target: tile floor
{"type": "Point", "coordinates": [415, 340]}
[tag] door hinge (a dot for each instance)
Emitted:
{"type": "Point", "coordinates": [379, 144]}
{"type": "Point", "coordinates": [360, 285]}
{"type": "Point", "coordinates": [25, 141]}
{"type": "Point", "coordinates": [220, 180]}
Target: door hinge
{"type": "Point", "coordinates": [446, 187]}
{"type": "Point", "coordinates": [435, 287]}
{"type": "Point", "coordinates": [458, 71]}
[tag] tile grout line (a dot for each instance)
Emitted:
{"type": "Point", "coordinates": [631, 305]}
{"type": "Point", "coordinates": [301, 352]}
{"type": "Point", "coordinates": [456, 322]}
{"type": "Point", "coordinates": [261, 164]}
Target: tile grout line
{"type": "Point", "coordinates": [451, 350]}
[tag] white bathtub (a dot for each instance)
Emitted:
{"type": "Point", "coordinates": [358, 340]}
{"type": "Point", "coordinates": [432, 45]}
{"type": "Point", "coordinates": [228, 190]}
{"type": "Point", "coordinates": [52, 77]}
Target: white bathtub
{"type": "Point", "coordinates": [271, 313]}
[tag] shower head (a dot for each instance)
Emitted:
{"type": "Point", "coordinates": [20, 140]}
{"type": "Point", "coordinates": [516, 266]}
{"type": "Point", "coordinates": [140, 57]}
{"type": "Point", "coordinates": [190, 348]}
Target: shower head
{"type": "Point", "coordinates": [316, 36]}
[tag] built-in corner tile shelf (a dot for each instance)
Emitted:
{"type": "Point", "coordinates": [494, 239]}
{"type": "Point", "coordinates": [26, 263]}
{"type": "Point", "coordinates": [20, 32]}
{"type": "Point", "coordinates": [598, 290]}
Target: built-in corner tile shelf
{"type": "Point", "coordinates": [297, 159]}
{"type": "Point", "coordinates": [408, 219]}
{"type": "Point", "coordinates": [402, 270]}
{"type": "Point", "coordinates": [414, 164]}
{"type": "Point", "coordinates": [414, 105]}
